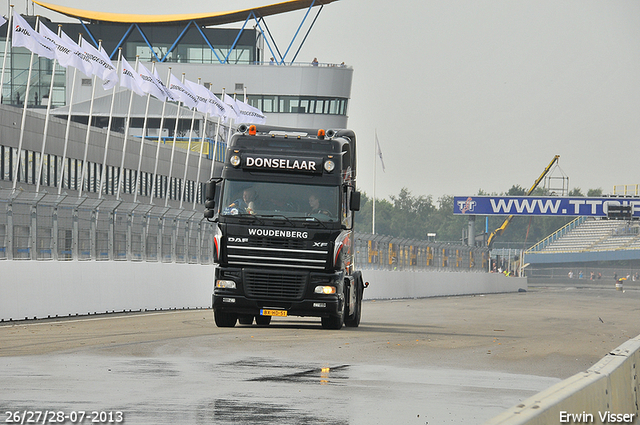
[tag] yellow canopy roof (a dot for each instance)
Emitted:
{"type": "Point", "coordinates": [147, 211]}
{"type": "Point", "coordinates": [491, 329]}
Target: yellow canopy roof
{"type": "Point", "coordinates": [206, 19]}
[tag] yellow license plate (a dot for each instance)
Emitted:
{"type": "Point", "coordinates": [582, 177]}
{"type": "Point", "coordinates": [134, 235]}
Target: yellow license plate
{"type": "Point", "coordinates": [281, 313]}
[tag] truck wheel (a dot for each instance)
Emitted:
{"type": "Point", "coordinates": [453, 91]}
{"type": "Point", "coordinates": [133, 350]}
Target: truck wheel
{"type": "Point", "coordinates": [263, 320]}
{"type": "Point", "coordinates": [335, 322]}
{"type": "Point", "coordinates": [353, 321]}
{"type": "Point", "coordinates": [245, 320]}
{"type": "Point", "coordinates": [224, 320]}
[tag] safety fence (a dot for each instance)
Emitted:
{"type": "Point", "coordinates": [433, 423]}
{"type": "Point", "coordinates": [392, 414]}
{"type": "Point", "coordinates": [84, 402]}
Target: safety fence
{"type": "Point", "coordinates": [58, 227]}
{"type": "Point", "coordinates": [391, 253]}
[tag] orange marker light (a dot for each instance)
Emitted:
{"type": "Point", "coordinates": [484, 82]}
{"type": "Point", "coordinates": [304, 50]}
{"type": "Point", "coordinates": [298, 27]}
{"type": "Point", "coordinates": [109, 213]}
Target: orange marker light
{"type": "Point", "coordinates": [321, 134]}
{"type": "Point", "coordinates": [252, 130]}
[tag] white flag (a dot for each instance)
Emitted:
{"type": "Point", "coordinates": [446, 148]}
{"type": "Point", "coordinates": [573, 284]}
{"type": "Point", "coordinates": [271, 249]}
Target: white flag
{"type": "Point", "coordinates": [2, 21]}
{"type": "Point", "coordinates": [111, 77]}
{"type": "Point", "coordinates": [217, 107]}
{"type": "Point", "coordinates": [25, 36]}
{"type": "Point", "coordinates": [180, 92]}
{"type": "Point", "coordinates": [130, 79]}
{"type": "Point", "coordinates": [210, 102]}
{"type": "Point", "coordinates": [214, 106]}
{"type": "Point", "coordinates": [201, 98]}
{"type": "Point", "coordinates": [80, 60]}
{"type": "Point", "coordinates": [379, 151]}
{"type": "Point", "coordinates": [233, 112]}
{"type": "Point", "coordinates": [66, 53]}
{"type": "Point", "coordinates": [161, 84]}
{"type": "Point", "coordinates": [100, 64]}
{"type": "Point", "coordinates": [250, 114]}
{"type": "Point", "coordinates": [149, 85]}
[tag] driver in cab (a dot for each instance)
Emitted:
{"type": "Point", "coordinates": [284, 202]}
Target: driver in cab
{"type": "Point", "coordinates": [244, 205]}
{"type": "Point", "coordinates": [316, 208]}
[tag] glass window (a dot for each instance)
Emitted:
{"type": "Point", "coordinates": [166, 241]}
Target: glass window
{"type": "Point", "coordinates": [280, 199]}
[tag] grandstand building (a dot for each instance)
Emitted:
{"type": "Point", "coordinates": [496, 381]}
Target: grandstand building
{"type": "Point", "coordinates": [587, 248]}
{"type": "Point", "coordinates": [235, 61]}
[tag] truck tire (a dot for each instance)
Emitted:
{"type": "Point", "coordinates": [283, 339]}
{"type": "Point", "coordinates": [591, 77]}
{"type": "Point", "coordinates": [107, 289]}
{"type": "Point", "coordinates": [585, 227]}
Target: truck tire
{"type": "Point", "coordinates": [335, 322]}
{"type": "Point", "coordinates": [353, 321]}
{"type": "Point", "coordinates": [224, 319]}
{"type": "Point", "coordinates": [263, 320]}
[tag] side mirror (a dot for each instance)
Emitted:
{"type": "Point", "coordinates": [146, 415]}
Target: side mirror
{"type": "Point", "coordinates": [354, 202]}
{"type": "Point", "coordinates": [209, 198]}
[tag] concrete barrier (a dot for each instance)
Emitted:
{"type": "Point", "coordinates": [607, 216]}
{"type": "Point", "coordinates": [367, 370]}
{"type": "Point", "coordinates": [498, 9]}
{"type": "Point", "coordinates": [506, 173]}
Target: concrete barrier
{"type": "Point", "coordinates": [42, 289]}
{"type": "Point", "coordinates": [392, 284]}
{"type": "Point", "coordinates": [606, 393]}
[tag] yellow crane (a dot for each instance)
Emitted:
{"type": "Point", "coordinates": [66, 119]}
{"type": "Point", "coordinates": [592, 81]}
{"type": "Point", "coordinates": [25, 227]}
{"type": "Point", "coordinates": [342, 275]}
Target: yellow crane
{"type": "Point", "coordinates": [500, 230]}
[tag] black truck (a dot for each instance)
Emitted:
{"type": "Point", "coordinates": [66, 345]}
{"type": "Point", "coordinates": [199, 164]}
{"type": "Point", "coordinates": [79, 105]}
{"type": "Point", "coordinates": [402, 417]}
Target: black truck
{"type": "Point", "coordinates": [284, 211]}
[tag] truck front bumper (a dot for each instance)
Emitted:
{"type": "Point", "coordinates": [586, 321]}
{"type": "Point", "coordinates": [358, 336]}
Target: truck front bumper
{"type": "Point", "coordinates": [322, 307]}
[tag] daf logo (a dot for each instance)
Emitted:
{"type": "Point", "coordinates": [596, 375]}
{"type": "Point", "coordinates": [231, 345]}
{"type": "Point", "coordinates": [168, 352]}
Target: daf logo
{"type": "Point", "coordinates": [320, 244]}
{"type": "Point", "coordinates": [241, 240]}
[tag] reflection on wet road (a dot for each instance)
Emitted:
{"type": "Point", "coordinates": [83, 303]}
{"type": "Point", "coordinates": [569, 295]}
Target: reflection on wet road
{"type": "Point", "coordinates": [429, 361]}
{"type": "Point", "coordinates": [257, 390]}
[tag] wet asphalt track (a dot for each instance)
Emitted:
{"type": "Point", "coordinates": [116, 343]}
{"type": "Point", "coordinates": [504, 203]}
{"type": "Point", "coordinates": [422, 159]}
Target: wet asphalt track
{"type": "Point", "coordinates": [437, 360]}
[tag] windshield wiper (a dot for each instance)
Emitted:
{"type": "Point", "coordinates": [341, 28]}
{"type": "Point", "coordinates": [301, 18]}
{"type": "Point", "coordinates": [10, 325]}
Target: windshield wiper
{"type": "Point", "coordinates": [250, 216]}
{"type": "Point", "coordinates": [279, 216]}
{"type": "Point", "coordinates": [311, 218]}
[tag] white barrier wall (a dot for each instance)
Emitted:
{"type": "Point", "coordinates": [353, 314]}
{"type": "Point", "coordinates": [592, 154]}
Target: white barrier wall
{"type": "Point", "coordinates": [392, 284]}
{"type": "Point", "coordinates": [41, 289]}
{"type": "Point", "coordinates": [608, 392]}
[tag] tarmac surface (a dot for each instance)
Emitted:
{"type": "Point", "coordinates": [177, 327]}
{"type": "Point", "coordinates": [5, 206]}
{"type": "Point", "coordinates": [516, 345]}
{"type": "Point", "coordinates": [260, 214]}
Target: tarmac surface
{"type": "Point", "coordinates": [439, 360]}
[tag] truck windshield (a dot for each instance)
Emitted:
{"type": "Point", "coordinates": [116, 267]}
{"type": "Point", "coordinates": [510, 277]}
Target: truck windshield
{"type": "Point", "coordinates": [280, 199]}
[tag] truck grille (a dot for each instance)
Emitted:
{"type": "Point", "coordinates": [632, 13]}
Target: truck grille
{"type": "Point", "coordinates": [280, 253]}
{"type": "Point", "coordinates": [274, 285]}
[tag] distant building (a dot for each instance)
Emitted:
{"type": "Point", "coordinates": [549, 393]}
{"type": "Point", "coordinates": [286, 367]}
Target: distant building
{"type": "Point", "coordinates": [290, 93]}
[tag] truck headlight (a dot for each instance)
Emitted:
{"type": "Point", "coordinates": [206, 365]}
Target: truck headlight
{"type": "Point", "coordinates": [326, 290]}
{"type": "Point", "coordinates": [235, 160]}
{"type": "Point", "coordinates": [225, 284]}
{"type": "Point", "coordinates": [329, 166]}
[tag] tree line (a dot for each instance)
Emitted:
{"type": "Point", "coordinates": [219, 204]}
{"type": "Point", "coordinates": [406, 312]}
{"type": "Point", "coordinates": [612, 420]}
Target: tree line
{"type": "Point", "coordinates": [413, 217]}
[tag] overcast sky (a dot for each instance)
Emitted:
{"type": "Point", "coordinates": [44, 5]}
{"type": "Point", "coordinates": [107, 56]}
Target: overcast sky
{"type": "Point", "coordinates": [470, 95]}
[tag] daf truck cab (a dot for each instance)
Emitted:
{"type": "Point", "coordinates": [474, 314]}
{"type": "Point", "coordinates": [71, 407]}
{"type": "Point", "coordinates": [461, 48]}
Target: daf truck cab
{"type": "Point", "coordinates": [284, 211]}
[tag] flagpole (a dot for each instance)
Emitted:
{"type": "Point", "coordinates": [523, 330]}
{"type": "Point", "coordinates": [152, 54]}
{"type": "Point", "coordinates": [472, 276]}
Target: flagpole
{"type": "Point", "coordinates": [126, 136]}
{"type": "Point", "coordinates": [24, 119]}
{"type": "Point", "coordinates": [215, 147]}
{"type": "Point", "coordinates": [155, 167]}
{"type": "Point", "coordinates": [183, 187]}
{"type": "Point", "coordinates": [373, 216]}
{"type": "Point", "coordinates": [46, 120]}
{"type": "Point", "coordinates": [86, 141]}
{"type": "Point", "coordinates": [204, 137]}
{"type": "Point", "coordinates": [6, 49]}
{"type": "Point", "coordinates": [106, 143]}
{"type": "Point", "coordinates": [173, 149]}
{"type": "Point", "coordinates": [215, 141]}
{"type": "Point", "coordinates": [66, 132]}
{"type": "Point", "coordinates": [230, 119]}
{"type": "Point", "coordinates": [144, 131]}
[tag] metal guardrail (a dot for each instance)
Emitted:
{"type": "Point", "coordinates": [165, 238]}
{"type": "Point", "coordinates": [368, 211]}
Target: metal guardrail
{"type": "Point", "coordinates": [58, 227]}
{"type": "Point", "coordinates": [390, 253]}
{"type": "Point", "coordinates": [42, 226]}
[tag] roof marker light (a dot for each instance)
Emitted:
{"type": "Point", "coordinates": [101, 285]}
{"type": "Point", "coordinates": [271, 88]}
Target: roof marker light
{"type": "Point", "coordinates": [321, 134]}
{"type": "Point", "coordinates": [252, 130]}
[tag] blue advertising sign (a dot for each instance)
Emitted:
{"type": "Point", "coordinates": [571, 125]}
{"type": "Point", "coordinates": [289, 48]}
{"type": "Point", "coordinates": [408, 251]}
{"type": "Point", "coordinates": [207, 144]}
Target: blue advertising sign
{"type": "Point", "coordinates": [542, 205]}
